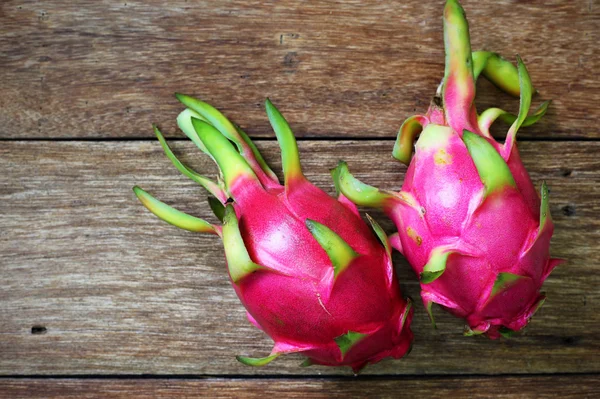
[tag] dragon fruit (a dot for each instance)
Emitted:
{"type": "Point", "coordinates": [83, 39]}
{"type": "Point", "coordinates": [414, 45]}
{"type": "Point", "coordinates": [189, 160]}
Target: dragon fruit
{"type": "Point", "coordinates": [469, 220]}
{"type": "Point", "coordinates": [307, 268]}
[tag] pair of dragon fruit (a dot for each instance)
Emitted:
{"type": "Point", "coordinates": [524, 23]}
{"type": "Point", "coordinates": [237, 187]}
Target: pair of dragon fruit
{"type": "Point", "coordinates": [318, 281]}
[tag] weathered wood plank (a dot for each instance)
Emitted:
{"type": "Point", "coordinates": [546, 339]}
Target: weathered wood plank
{"type": "Point", "coordinates": [91, 68]}
{"type": "Point", "coordinates": [564, 387]}
{"type": "Point", "coordinates": [121, 292]}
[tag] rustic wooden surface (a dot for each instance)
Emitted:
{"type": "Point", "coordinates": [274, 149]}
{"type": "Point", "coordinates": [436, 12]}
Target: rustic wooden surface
{"type": "Point", "coordinates": [566, 387]}
{"type": "Point", "coordinates": [92, 285]}
{"type": "Point", "coordinates": [342, 68]}
{"type": "Point", "coordinates": [122, 292]}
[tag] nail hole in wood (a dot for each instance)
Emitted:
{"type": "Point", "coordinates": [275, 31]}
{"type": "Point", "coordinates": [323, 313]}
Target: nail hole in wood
{"type": "Point", "coordinates": [39, 330]}
{"type": "Point", "coordinates": [571, 340]}
{"type": "Point", "coordinates": [566, 172]}
{"type": "Point", "coordinates": [568, 210]}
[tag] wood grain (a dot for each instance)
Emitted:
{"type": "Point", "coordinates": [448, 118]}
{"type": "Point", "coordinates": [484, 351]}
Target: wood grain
{"type": "Point", "coordinates": [564, 387]}
{"type": "Point", "coordinates": [101, 69]}
{"type": "Point", "coordinates": [119, 292]}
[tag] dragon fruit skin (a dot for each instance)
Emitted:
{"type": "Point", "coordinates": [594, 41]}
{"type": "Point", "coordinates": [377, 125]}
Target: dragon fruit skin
{"type": "Point", "coordinates": [469, 219]}
{"type": "Point", "coordinates": [309, 271]}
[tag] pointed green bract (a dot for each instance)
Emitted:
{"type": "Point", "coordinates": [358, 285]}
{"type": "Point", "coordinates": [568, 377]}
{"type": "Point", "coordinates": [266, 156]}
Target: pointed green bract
{"type": "Point", "coordinates": [436, 265]}
{"type": "Point", "coordinates": [340, 253]}
{"type": "Point", "coordinates": [428, 308]}
{"type": "Point", "coordinates": [487, 117]}
{"type": "Point", "coordinates": [492, 169]}
{"type": "Point", "coordinates": [480, 59]}
{"type": "Point", "coordinates": [545, 216]}
{"type": "Point", "coordinates": [231, 163]}
{"type": "Point", "coordinates": [503, 74]}
{"type": "Point", "coordinates": [307, 362]}
{"type": "Point", "coordinates": [459, 83]}
{"type": "Point", "coordinates": [538, 305]}
{"type": "Point", "coordinates": [524, 104]}
{"type": "Point", "coordinates": [255, 361]}
{"type": "Point", "coordinates": [289, 149]}
{"type": "Point", "coordinates": [544, 207]}
{"type": "Point", "coordinates": [217, 207]}
{"type": "Point", "coordinates": [184, 121]}
{"type": "Point", "coordinates": [347, 341]}
{"type": "Point", "coordinates": [205, 182]}
{"type": "Point", "coordinates": [380, 234]}
{"type": "Point", "coordinates": [258, 156]}
{"type": "Point", "coordinates": [497, 70]}
{"type": "Point", "coordinates": [335, 175]}
{"type": "Point", "coordinates": [468, 332]}
{"type": "Point", "coordinates": [503, 282]}
{"type": "Point", "coordinates": [531, 119]}
{"type": "Point", "coordinates": [238, 260]}
{"type": "Point", "coordinates": [172, 215]}
{"type": "Point", "coordinates": [506, 332]}
{"type": "Point", "coordinates": [358, 192]}
{"type": "Point", "coordinates": [403, 147]}
{"type": "Point", "coordinates": [213, 116]}
{"type": "Point", "coordinates": [406, 310]}
{"type": "Point", "coordinates": [479, 62]}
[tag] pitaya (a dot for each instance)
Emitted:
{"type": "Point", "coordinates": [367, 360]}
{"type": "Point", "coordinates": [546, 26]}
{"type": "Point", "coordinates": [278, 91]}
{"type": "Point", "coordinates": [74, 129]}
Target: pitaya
{"type": "Point", "coordinates": [309, 271]}
{"type": "Point", "coordinates": [469, 220]}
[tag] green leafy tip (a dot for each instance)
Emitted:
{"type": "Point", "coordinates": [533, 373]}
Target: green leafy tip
{"type": "Point", "coordinates": [172, 215]}
{"type": "Point", "coordinates": [289, 149]}
{"type": "Point", "coordinates": [531, 119]}
{"type": "Point", "coordinates": [184, 121]}
{"type": "Point", "coordinates": [436, 265]}
{"type": "Point", "coordinates": [489, 116]}
{"type": "Point", "coordinates": [493, 170]}
{"type": "Point", "coordinates": [410, 129]}
{"type": "Point", "coordinates": [238, 260]}
{"type": "Point", "coordinates": [215, 118]}
{"type": "Point", "coordinates": [208, 184]}
{"type": "Point", "coordinates": [383, 238]}
{"type": "Point", "coordinates": [526, 90]}
{"type": "Point", "coordinates": [212, 116]}
{"type": "Point", "coordinates": [503, 282]}
{"type": "Point", "coordinates": [506, 332]}
{"type": "Point", "coordinates": [406, 310]}
{"type": "Point", "coordinates": [500, 72]}
{"type": "Point", "coordinates": [357, 191]}
{"type": "Point", "coordinates": [217, 207]}
{"type": "Point", "coordinates": [338, 250]}
{"type": "Point", "coordinates": [429, 309]}
{"type": "Point", "coordinates": [468, 332]}
{"type": "Point", "coordinates": [348, 341]}
{"type": "Point", "coordinates": [231, 163]}
{"type": "Point", "coordinates": [544, 207]}
{"type": "Point", "coordinates": [335, 175]}
{"type": "Point", "coordinates": [254, 361]}
{"type": "Point", "coordinates": [459, 83]}
{"type": "Point", "coordinates": [538, 305]}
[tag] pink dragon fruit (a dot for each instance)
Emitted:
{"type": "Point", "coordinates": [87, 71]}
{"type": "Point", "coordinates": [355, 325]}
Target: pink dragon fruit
{"type": "Point", "coordinates": [309, 271]}
{"type": "Point", "coordinates": [469, 219]}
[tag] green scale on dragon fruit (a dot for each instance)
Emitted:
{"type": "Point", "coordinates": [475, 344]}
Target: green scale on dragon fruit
{"type": "Point", "coordinates": [309, 271]}
{"type": "Point", "coordinates": [469, 219]}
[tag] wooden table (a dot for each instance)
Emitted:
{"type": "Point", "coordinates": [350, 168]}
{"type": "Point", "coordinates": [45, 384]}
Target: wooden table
{"type": "Point", "coordinates": [99, 298]}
